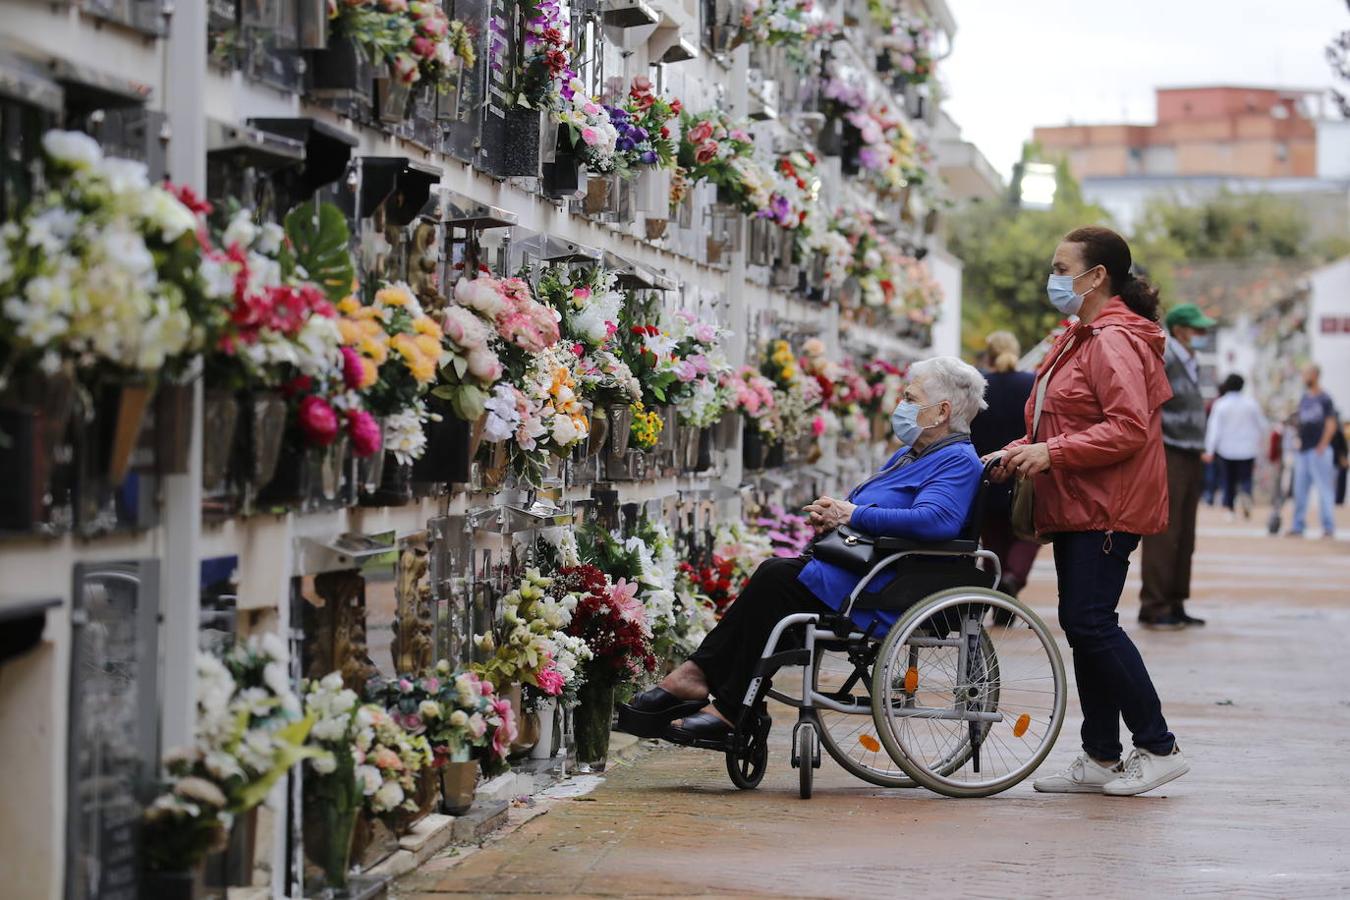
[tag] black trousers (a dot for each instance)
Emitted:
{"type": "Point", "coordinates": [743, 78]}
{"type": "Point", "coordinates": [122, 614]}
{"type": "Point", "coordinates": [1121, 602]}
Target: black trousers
{"type": "Point", "coordinates": [730, 652]}
{"type": "Point", "coordinates": [1237, 479]}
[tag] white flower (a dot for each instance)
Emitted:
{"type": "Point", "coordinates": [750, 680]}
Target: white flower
{"type": "Point", "coordinates": [368, 779]}
{"type": "Point", "coordinates": [481, 295]}
{"type": "Point", "coordinates": [127, 249]}
{"type": "Point", "coordinates": [124, 176]}
{"type": "Point", "coordinates": [167, 213]}
{"type": "Point", "coordinates": [325, 764]}
{"type": "Point", "coordinates": [51, 229]}
{"type": "Point", "coordinates": [388, 797]}
{"type": "Point", "coordinates": [317, 345]}
{"type": "Point", "coordinates": [404, 435]}
{"type": "Point", "coordinates": [217, 277]}
{"type": "Point", "coordinates": [73, 148]}
{"type": "Point", "coordinates": [503, 414]}
{"type": "Point", "coordinates": [241, 230]}
{"type": "Point", "coordinates": [269, 240]}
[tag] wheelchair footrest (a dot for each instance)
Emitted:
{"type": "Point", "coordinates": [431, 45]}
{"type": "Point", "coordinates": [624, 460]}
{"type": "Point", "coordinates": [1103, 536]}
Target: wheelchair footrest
{"type": "Point", "coordinates": [771, 664]}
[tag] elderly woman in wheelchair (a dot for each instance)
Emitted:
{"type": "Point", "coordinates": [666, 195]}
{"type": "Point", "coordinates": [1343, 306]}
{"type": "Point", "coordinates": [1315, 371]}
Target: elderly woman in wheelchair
{"type": "Point", "coordinates": [903, 682]}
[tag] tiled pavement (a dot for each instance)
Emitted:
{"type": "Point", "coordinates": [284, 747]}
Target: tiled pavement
{"type": "Point", "coordinates": [1260, 700]}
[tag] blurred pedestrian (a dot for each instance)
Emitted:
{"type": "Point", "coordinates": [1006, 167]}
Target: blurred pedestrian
{"type": "Point", "coordinates": [1237, 431]}
{"type": "Point", "coordinates": [1094, 453]}
{"type": "Point", "coordinates": [1167, 556]}
{"type": "Point", "coordinates": [999, 425]}
{"type": "Point", "coordinates": [1213, 489]}
{"type": "Point", "coordinates": [1314, 466]}
{"type": "Point", "coordinates": [1340, 450]}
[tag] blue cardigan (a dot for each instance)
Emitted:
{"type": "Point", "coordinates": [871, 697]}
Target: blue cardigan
{"type": "Point", "coordinates": [926, 500]}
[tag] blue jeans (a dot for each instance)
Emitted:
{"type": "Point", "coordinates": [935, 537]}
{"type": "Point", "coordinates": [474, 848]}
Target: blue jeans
{"type": "Point", "coordinates": [1314, 468]}
{"type": "Point", "coordinates": [1112, 680]}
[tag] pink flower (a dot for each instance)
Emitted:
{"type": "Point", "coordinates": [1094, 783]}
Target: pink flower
{"type": "Point", "coordinates": [364, 432]}
{"type": "Point", "coordinates": [318, 421]}
{"type": "Point", "coordinates": [385, 758]}
{"type": "Point", "coordinates": [484, 365]}
{"type": "Point", "coordinates": [685, 371]}
{"type": "Point", "coordinates": [739, 134]}
{"type": "Point", "coordinates": [431, 684]}
{"type": "Point", "coordinates": [352, 371]}
{"type": "Point", "coordinates": [581, 293]}
{"type": "Point", "coordinates": [705, 333]}
{"type": "Point", "coordinates": [590, 136]}
{"type": "Point", "coordinates": [406, 68]}
{"type": "Point", "coordinates": [706, 152]}
{"type": "Point", "coordinates": [434, 26]}
{"type": "Point", "coordinates": [623, 596]}
{"type": "Point", "coordinates": [550, 680]}
{"type": "Point", "coordinates": [423, 47]}
{"type": "Point", "coordinates": [818, 426]}
{"type": "Point", "coordinates": [700, 132]}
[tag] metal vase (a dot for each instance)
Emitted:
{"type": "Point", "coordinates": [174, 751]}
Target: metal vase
{"type": "Point", "coordinates": [122, 410]}
{"type": "Point", "coordinates": [173, 428]}
{"type": "Point", "coordinates": [220, 420]}
{"type": "Point", "coordinates": [459, 780]}
{"type": "Point", "coordinates": [266, 413]}
{"type": "Point", "coordinates": [599, 433]}
{"type": "Point", "coordinates": [620, 428]}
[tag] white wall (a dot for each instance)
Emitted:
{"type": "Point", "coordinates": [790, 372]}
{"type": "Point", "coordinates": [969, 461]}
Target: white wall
{"type": "Point", "coordinates": [1329, 329]}
{"type": "Point", "coordinates": [946, 271]}
{"type": "Point", "coordinates": [1333, 148]}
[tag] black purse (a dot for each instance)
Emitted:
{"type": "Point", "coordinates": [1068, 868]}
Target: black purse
{"type": "Point", "coordinates": [847, 549]}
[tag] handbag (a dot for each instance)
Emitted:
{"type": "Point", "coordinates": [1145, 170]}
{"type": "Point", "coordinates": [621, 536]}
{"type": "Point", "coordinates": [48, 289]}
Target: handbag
{"type": "Point", "coordinates": [1024, 490]}
{"type": "Point", "coordinates": [847, 549]}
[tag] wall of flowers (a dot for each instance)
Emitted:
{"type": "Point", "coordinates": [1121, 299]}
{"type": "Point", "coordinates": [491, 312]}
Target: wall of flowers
{"type": "Point", "coordinates": [496, 343]}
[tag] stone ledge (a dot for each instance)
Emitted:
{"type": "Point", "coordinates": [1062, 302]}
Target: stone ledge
{"type": "Point", "coordinates": [428, 836]}
{"type": "Point", "coordinates": [479, 821]}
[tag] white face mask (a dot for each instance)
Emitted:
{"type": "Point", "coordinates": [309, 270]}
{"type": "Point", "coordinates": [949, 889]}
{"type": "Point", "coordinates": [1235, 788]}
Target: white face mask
{"type": "Point", "coordinates": [1062, 295]}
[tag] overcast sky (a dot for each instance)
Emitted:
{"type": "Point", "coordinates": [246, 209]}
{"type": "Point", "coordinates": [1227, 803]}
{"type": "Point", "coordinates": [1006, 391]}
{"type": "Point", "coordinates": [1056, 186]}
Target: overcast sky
{"type": "Point", "coordinates": [1021, 63]}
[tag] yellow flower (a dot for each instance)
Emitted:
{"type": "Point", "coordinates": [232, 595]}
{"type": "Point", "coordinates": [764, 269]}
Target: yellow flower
{"type": "Point", "coordinates": [427, 325]}
{"type": "Point", "coordinates": [393, 295]}
{"type": "Point", "coordinates": [423, 369]}
{"type": "Point", "coordinates": [429, 345]}
{"type": "Point", "coordinates": [369, 374]}
{"type": "Point", "coordinates": [366, 313]}
{"type": "Point", "coordinates": [376, 349]}
{"type": "Point", "coordinates": [348, 305]}
{"type": "Point", "coordinates": [350, 331]}
{"type": "Point", "coordinates": [789, 372]}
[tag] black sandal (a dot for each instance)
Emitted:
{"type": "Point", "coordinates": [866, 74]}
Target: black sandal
{"type": "Point", "coordinates": [650, 713]}
{"type": "Point", "coordinates": [697, 729]}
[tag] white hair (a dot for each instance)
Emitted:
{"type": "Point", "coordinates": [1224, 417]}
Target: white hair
{"type": "Point", "coordinates": [960, 384]}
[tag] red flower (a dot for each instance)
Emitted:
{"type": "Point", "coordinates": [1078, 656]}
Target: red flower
{"type": "Point", "coordinates": [352, 370]}
{"type": "Point", "coordinates": [706, 152]}
{"type": "Point", "coordinates": [676, 107]}
{"type": "Point", "coordinates": [665, 132]}
{"type": "Point", "coordinates": [638, 330]}
{"type": "Point", "coordinates": [199, 206]}
{"type": "Point", "coordinates": [556, 60]}
{"type": "Point", "coordinates": [653, 331]}
{"type": "Point", "coordinates": [578, 350]}
{"type": "Point", "coordinates": [364, 431]}
{"type": "Point", "coordinates": [318, 421]}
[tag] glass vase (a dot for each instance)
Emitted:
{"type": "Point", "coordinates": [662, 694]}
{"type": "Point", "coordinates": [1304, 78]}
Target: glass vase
{"type": "Point", "coordinates": [332, 803]}
{"type": "Point", "coordinates": [590, 725]}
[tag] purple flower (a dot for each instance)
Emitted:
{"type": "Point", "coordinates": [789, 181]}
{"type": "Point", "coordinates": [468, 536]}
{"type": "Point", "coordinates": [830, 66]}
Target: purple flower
{"type": "Point", "coordinates": [649, 157]}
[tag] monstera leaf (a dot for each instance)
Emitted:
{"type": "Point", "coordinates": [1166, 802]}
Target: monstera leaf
{"type": "Point", "coordinates": [317, 241]}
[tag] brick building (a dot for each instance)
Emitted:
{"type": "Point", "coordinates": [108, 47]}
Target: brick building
{"type": "Point", "coordinates": [1201, 131]}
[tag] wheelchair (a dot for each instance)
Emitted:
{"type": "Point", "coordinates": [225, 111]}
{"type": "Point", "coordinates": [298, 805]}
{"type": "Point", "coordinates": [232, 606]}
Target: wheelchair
{"type": "Point", "coordinates": [964, 694]}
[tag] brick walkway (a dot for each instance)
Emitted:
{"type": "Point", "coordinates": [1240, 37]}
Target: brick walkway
{"type": "Point", "coordinates": [1260, 700]}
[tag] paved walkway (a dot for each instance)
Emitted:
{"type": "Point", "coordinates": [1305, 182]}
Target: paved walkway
{"type": "Point", "coordinates": [1260, 700]}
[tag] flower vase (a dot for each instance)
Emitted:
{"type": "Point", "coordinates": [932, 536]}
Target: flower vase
{"type": "Point", "coordinates": [599, 433]}
{"type": "Point", "coordinates": [220, 421]}
{"type": "Point", "coordinates": [173, 428]}
{"type": "Point", "coordinates": [451, 446]}
{"type": "Point", "coordinates": [178, 885]}
{"type": "Point", "coordinates": [596, 200]}
{"type": "Point", "coordinates": [752, 448]}
{"type": "Point", "coordinates": [459, 779]}
{"type": "Point", "coordinates": [562, 174]}
{"type": "Point", "coordinates": [370, 469]}
{"type": "Point", "coordinates": [522, 743]}
{"type": "Point", "coordinates": [394, 99]}
{"type": "Point", "coordinates": [546, 715]}
{"type": "Point", "coordinates": [620, 429]}
{"type": "Point", "coordinates": [266, 422]}
{"type": "Point", "coordinates": [703, 458]}
{"type": "Point", "coordinates": [777, 455]}
{"type": "Point", "coordinates": [830, 140]}
{"type": "Point", "coordinates": [35, 411]}
{"type": "Point", "coordinates": [395, 486]}
{"type": "Point", "coordinates": [332, 805]}
{"type": "Point", "coordinates": [591, 722]}
{"type": "Point", "coordinates": [121, 414]}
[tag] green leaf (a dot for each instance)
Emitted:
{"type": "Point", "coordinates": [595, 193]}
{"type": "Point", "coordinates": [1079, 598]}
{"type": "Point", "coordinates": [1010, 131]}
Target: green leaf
{"type": "Point", "coordinates": [470, 403]}
{"type": "Point", "coordinates": [318, 241]}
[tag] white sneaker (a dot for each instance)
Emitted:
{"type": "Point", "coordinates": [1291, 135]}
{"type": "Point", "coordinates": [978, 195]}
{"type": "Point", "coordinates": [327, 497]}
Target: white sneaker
{"type": "Point", "coordinates": [1144, 771]}
{"type": "Point", "coordinates": [1083, 776]}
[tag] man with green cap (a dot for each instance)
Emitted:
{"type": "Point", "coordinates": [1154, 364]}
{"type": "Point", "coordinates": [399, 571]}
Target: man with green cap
{"type": "Point", "coordinates": [1167, 556]}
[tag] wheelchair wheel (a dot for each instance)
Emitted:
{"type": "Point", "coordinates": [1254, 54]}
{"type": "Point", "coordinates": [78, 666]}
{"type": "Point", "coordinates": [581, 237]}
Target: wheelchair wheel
{"type": "Point", "coordinates": [851, 740]}
{"type": "Point", "coordinates": [807, 753]}
{"type": "Point", "coordinates": [746, 766]}
{"type": "Point", "coordinates": [964, 707]}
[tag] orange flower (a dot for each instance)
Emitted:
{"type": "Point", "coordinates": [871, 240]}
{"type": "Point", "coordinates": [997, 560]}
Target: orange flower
{"type": "Point", "coordinates": [394, 295]}
{"type": "Point", "coordinates": [370, 374]}
{"type": "Point", "coordinates": [427, 325]}
{"type": "Point", "coordinates": [429, 345]}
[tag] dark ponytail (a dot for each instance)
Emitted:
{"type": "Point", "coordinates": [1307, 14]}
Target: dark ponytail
{"type": "Point", "coordinates": [1103, 247]}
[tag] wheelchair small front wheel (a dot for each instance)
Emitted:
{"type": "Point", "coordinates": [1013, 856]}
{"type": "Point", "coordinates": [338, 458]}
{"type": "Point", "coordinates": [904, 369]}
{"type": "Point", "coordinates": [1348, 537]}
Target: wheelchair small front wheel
{"type": "Point", "coordinates": [746, 765]}
{"type": "Point", "coordinates": [964, 706]}
{"type": "Point", "coordinates": [807, 752]}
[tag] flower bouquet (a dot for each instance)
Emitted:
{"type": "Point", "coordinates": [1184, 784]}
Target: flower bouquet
{"type": "Point", "coordinates": [333, 795]}
{"type": "Point", "coordinates": [248, 733]}
{"type": "Point", "coordinates": [713, 148]}
{"type": "Point", "coordinates": [906, 45]}
{"type": "Point", "coordinates": [417, 41]}
{"type": "Point", "coordinates": [643, 122]}
{"type": "Point", "coordinates": [794, 24]}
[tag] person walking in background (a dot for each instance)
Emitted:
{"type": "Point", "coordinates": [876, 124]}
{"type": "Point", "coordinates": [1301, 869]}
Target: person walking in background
{"type": "Point", "coordinates": [1167, 556]}
{"type": "Point", "coordinates": [999, 425]}
{"type": "Point", "coordinates": [1237, 431]}
{"type": "Point", "coordinates": [1340, 450]}
{"type": "Point", "coordinates": [1213, 489]}
{"type": "Point", "coordinates": [1095, 457]}
{"type": "Point", "coordinates": [1316, 422]}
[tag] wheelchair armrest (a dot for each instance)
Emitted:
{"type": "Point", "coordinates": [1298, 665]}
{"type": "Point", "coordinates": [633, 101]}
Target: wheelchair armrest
{"type": "Point", "coordinates": [902, 545]}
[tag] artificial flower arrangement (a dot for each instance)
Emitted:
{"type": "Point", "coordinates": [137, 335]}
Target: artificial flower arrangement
{"type": "Point", "coordinates": [796, 190]}
{"type": "Point", "coordinates": [714, 148]}
{"type": "Point", "coordinates": [845, 393]}
{"type": "Point", "coordinates": [611, 621]}
{"type": "Point", "coordinates": [907, 43]}
{"type": "Point", "coordinates": [457, 712]}
{"type": "Point", "coordinates": [591, 132]}
{"type": "Point", "coordinates": [643, 122]}
{"type": "Point", "coordinates": [544, 68]}
{"type": "Point", "coordinates": [416, 40]}
{"type": "Point", "coordinates": [536, 404]}
{"type": "Point", "coordinates": [590, 309]}
{"type": "Point", "coordinates": [738, 549]}
{"type": "Point", "coordinates": [392, 350]}
{"type": "Point", "coordinates": [794, 24]}
{"type": "Point", "coordinates": [789, 533]}
{"type": "Point", "coordinates": [700, 366]}
{"type": "Point", "coordinates": [886, 383]}
{"type": "Point", "coordinates": [101, 271]}
{"type": "Point", "coordinates": [796, 397]}
{"type": "Point", "coordinates": [520, 648]}
{"type": "Point", "coordinates": [647, 427]}
{"type": "Point", "coordinates": [248, 732]}
{"type": "Point", "coordinates": [369, 761]}
{"type": "Point", "coordinates": [755, 398]}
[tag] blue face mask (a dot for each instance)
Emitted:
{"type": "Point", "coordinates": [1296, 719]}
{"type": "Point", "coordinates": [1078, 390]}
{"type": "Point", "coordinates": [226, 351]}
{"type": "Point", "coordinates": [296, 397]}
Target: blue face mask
{"type": "Point", "coordinates": [1062, 295]}
{"type": "Point", "coordinates": [905, 422]}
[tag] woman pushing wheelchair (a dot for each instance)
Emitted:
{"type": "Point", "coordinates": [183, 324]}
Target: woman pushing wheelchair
{"type": "Point", "coordinates": [924, 493]}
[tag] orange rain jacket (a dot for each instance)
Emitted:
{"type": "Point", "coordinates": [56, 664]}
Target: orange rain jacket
{"type": "Point", "coordinates": [1102, 420]}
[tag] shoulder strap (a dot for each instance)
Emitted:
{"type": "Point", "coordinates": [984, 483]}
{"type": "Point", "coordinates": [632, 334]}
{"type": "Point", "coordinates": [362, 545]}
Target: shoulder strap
{"type": "Point", "coordinates": [1044, 382]}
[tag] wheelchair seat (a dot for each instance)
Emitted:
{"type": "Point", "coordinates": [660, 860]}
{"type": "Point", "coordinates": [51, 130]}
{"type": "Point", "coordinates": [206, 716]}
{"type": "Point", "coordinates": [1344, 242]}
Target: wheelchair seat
{"type": "Point", "coordinates": [927, 568]}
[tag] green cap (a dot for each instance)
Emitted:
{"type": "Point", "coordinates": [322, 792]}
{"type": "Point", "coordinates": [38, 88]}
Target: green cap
{"type": "Point", "coordinates": [1189, 315]}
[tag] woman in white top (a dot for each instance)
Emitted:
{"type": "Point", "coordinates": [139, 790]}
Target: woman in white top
{"type": "Point", "coordinates": [1236, 433]}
